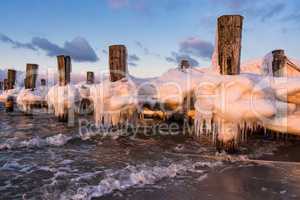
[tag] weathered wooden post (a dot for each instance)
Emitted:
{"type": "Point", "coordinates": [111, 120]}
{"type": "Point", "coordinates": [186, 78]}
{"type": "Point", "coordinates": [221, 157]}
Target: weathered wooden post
{"type": "Point", "coordinates": [9, 104]}
{"type": "Point", "coordinates": [90, 78]}
{"type": "Point", "coordinates": [117, 62]}
{"type": "Point", "coordinates": [184, 64]}
{"type": "Point", "coordinates": [43, 82]}
{"type": "Point", "coordinates": [229, 43]}
{"type": "Point", "coordinates": [279, 61]}
{"type": "Point", "coordinates": [64, 78]}
{"type": "Point", "coordinates": [230, 29]}
{"type": "Point", "coordinates": [5, 84]}
{"type": "Point", "coordinates": [64, 70]}
{"type": "Point", "coordinates": [31, 76]}
{"type": "Point", "coordinates": [11, 77]}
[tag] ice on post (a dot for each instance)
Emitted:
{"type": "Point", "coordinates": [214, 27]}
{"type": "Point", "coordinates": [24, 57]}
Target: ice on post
{"type": "Point", "coordinates": [63, 96]}
{"type": "Point", "coordinates": [114, 98]}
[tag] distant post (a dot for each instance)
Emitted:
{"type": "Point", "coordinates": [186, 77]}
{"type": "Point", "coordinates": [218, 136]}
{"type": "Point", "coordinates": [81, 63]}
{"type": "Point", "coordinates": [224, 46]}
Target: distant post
{"type": "Point", "coordinates": [279, 61]}
{"type": "Point", "coordinates": [64, 70]}
{"type": "Point", "coordinates": [184, 64]}
{"type": "Point", "coordinates": [43, 82]}
{"type": "Point", "coordinates": [90, 78]}
{"type": "Point", "coordinates": [117, 62]}
{"type": "Point", "coordinates": [31, 76]}
{"type": "Point", "coordinates": [5, 83]}
{"type": "Point", "coordinates": [229, 43]}
{"type": "Point", "coordinates": [11, 78]}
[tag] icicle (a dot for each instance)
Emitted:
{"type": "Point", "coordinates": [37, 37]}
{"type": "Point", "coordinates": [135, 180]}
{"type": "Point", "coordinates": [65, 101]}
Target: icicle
{"type": "Point", "coordinates": [115, 103]}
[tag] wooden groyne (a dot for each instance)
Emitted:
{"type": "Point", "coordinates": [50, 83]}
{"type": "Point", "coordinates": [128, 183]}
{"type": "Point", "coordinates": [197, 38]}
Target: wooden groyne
{"type": "Point", "coordinates": [229, 42]}
{"type": "Point", "coordinates": [31, 76]}
{"type": "Point", "coordinates": [228, 48]}
{"type": "Point", "coordinates": [11, 79]}
{"type": "Point", "coordinates": [117, 62]}
{"type": "Point", "coordinates": [90, 78]}
{"type": "Point", "coordinates": [279, 61]}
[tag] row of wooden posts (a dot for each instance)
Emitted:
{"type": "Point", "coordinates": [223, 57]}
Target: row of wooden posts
{"type": "Point", "coordinates": [229, 55]}
{"type": "Point", "coordinates": [229, 52]}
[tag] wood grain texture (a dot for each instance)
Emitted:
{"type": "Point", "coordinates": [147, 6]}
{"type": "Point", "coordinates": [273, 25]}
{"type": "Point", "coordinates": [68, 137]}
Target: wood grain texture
{"type": "Point", "coordinates": [117, 62]}
{"type": "Point", "coordinates": [229, 43]}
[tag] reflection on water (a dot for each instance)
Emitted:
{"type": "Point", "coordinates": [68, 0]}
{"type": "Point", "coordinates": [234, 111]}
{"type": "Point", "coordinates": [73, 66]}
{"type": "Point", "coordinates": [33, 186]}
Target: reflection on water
{"type": "Point", "coordinates": [43, 159]}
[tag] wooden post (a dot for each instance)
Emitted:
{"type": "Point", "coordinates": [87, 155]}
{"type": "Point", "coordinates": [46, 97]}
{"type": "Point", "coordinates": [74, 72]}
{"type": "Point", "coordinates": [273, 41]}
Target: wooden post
{"type": "Point", "coordinates": [5, 83]}
{"type": "Point", "coordinates": [11, 78]}
{"type": "Point", "coordinates": [1, 85]}
{"type": "Point", "coordinates": [229, 55]}
{"type": "Point", "coordinates": [117, 62]}
{"type": "Point", "coordinates": [229, 43]}
{"type": "Point", "coordinates": [64, 70]}
{"type": "Point", "coordinates": [43, 82]}
{"type": "Point", "coordinates": [31, 76]}
{"type": "Point", "coordinates": [279, 61]}
{"type": "Point", "coordinates": [64, 78]}
{"type": "Point", "coordinates": [90, 78]}
{"type": "Point", "coordinates": [184, 64]}
{"type": "Point", "coordinates": [9, 104]}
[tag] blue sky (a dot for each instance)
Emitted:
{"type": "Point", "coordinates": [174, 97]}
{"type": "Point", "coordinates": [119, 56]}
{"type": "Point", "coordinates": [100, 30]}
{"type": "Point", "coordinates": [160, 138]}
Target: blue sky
{"type": "Point", "coordinates": [157, 33]}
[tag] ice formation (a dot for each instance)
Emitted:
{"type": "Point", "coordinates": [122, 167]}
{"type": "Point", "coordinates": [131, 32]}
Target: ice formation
{"type": "Point", "coordinates": [114, 102]}
{"type": "Point", "coordinates": [27, 97]}
{"type": "Point", "coordinates": [227, 107]}
{"type": "Point", "coordinates": [7, 93]}
{"type": "Point", "coordinates": [62, 98]}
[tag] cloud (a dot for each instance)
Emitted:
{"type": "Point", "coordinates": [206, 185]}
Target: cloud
{"type": "Point", "coordinates": [262, 10]}
{"type": "Point", "coordinates": [79, 49]}
{"type": "Point", "coordinates": [176, 58]}
{"type": "Point", "coordinates": [133, 59]}
{"type": "Point", "coordinates": [272, 11]}
{"type": "Point", "coordinates": [16, 44]}
{"type": "Point", "coordinates": [141, 46]}
{"type": "Point", "coordinates": [295, 17]}
{"type": "Point", "coordinates": [196, 47]}
{"type": "Point", "coordinates": [50, 48]}
{"type": "Point", "coordinates": [117, 4]}
{"type": "Point", "coordinates": [146, 50]}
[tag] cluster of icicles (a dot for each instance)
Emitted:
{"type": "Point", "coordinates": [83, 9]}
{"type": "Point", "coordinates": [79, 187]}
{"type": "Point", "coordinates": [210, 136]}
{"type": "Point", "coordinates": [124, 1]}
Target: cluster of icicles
{"type": "Point", "coordinates": [230, 107]}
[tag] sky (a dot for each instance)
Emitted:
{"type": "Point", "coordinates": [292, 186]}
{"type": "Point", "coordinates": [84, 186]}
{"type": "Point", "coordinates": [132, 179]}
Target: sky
{"type": "Point", "coordinates": [157, 33]}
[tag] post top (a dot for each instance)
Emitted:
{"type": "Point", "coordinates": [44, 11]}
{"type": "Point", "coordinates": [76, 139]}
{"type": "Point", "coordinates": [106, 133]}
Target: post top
{"type": "Point", "coordinates": [231, 16]}
{"type": "Point", "coordinates": [117, 46]}
{"type": "Point", "coordinates": [64, 56]}
{"type": "Point", "coordinates": [234, 15]}
{"type": "Point", "coordinates": [279, 51]}
{"type": "Point", "coordinates": [32, 64]}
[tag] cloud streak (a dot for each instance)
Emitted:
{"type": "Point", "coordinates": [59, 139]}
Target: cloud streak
{"type": "Point", "coordinates": [196, 47]}
{"type": "Point", "coordinates": [16, 44]}
{"type": "Point", "coordinates": [133, 59]}
{"type": "Point", "coordinates": [78, 48]}
{"type": "Point", "coordinates": [176, 58]}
